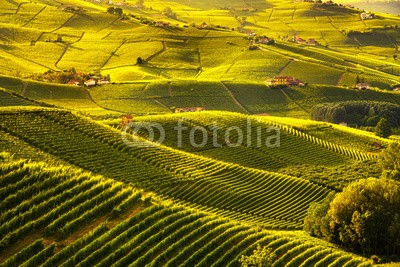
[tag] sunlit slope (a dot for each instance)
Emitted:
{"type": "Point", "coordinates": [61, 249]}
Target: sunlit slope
{"type": "Point", "coordinates": [272, 199]}
{"type": "Point", "coordinates": [157, 97]}
{"type": "Point", "coordinates": [97, 41]}
{"type": "Point", "coordinates": [62, 216]}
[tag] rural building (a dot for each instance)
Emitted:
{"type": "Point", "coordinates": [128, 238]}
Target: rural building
{"type": "Point", "coordinates": [103, 81]}
{"type": "Point", "coordinates": [299, 40]}
{"type": "Point", "coordinates": [126, 119]}
{"type": "Point", "coordinates": [312, 41]}
{"type": "Point", "coordinates": [362, 86]}
{"type": "Point", "coordinates": [366, 15]}
{"type": "Point", "coordinates": [396, 89]}
{"type": "Point", "coordinates": [203, 26]}
{"type": "Point", "coordinates": [161, 23]}
{"type": "Point", "coordinates": [285, 80]}
{"type": "Point", "coordinates": [250, 33]}
{"type": "Point", "coordinates": [90, 83]}
{"type": "Point", "coordinates": [74, 82]}
{"type": "Point", "coordinates": [189, 109]}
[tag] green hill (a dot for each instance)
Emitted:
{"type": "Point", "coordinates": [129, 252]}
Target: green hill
{"type": "Point", "coordinates": [80, 187]}
{"type": "Point", "coordinates": [44, 208]}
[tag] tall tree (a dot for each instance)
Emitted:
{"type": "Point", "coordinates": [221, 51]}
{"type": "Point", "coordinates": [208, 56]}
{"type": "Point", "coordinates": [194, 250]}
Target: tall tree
{"type": "Point", "coordinates": [383, 128]}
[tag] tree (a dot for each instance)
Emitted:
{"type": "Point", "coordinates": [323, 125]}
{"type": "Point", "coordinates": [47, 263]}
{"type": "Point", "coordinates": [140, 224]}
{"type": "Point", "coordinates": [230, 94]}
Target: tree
{"type": "Point", "coordinates": [119, 11]}
{"type": "Point", "coordinates": [383, 128]}
{"type": "Point", "coordinates": [139, 61]}
{"type": "Point", "coordinates": [111, 10]}
{"type": "Point", "coordinates": [168, 12]}
{"type": "Point", "coordinates": [261, 257]}
{"type": "Point", "coordinates": [364, 217]}
{"type": "Point", "coordinates": [389, 160]}
{"type": "Point", "coordinates": [317, 220]}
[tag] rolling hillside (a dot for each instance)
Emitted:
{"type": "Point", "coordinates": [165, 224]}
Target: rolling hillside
{"type": "Point", "coordinates": [45, 206]}
{"type": "Point", "coordinates": [79, 186]}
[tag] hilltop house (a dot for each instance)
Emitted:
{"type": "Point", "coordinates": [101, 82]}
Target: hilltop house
{"type": "Point", "coordinates": [103, 81]}
{"type": "Point", "coordinates": [203, 26]}
{"type": "Point", "coordinates": [362, 86]}
{"type": "Point", "coordinates": [299, 40]}
{"type": "Point", "coordinates": [366, 15]}
{"type": "Point", "coordinates": [90, 83]}
{"type": "Point", "coordinates": [161, 23]}
{"type": "Point", "coordinates": [285, 80]}
{"type": "Point", "coordinates": [189, 109]}
{"type": "Point", "coordinates": [74, 82]}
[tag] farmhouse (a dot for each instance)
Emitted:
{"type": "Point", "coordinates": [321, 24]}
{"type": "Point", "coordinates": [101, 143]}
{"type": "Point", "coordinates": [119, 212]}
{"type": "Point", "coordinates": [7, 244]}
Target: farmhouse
{"type": "Point", "coordinates": [74, 82]}
{"type": "Point", "coordinates": [362, 86]}
{"type": "Point", "coordinates": [285, 80]}
{"type": "Point", "coordinates": [366, 15]}
{"type": "Point", "coordinates": [189, 109]}
{"type": "Point", "coordinates": [299, 40]}
{"type": "Point", "coordinates": [90, 83]}
{"type": "Point", "coordinates": [203, 26]}
{"type": "Point", "coordinates": [396, 89]}
{"type": "Point", "coordinates": [103, 81]}
{"type": "Point", "coordinates": [161, 23]}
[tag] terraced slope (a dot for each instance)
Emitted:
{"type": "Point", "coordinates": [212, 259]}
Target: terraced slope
{"type": "Point", "coordinates": [8, 99]}
{"type": "Point", "coordinates": [44, 207]}
{"type": "Point", "coordinates": [254, 141]}
{"type": "Point", "coordinates": [271, 199]}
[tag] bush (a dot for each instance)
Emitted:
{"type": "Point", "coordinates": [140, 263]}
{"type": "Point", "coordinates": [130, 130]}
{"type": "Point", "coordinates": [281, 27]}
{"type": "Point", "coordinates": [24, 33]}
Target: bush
{"type": "Point", "coordinates": [365, 217]}
{"type": "Point", "coordinates": [383, 128]}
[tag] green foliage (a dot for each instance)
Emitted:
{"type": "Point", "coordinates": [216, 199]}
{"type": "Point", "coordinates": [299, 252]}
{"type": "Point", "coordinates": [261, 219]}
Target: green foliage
{"type": "Point", "coordinates": [383, 128]}
{"type": "Point", "coordinates": [119, 11]}
{"type": "Point", "coordinates": [317, 221]}
{"type": "Point", "coordinates": [389, 160]}
{"type": "Point", "coordinates": [365, 217]}
{"type": "Point", "coordinates": [111, 10]}
{"type": "Point", "coordinates": [261, 257]}
{"type": "Point", "coordinates": [359, 113]}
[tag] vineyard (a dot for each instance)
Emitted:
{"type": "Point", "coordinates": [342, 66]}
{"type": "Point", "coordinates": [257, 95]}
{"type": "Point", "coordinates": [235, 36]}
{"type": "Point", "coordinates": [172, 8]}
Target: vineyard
{"type": "Point", "coordinates": [49, 204]}
{"type": "Point", "coordinates": [79, 186]}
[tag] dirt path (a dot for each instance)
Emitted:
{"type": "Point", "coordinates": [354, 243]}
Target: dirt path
{"type": "Point", "coordinates": [19, 7]}
{"type": "Point", "coordinates": [158, 53]}
{"type": "Point", "coordinates": [113, 53]}
{"type": "Point", "coordinates": [340, 78]}
{"type": "Point", "coordinates": [284, 67]}
{"type": "Point", "coordinates": [235, 99]}
{"type": "Point", "coordinates": [37, 14]}
{"type": "Point", "coordinates": [270, 15]}
{"type": "Point", "coordinates": [23, 90]}
{"type": "Point", "coordinates": [292, 100]}
{"type": "Point", "coordinates": [65, 23]}
{"type": "Point", "coordinates": [66, 47]}
{"type": "Point", "coordinates": [87, 93]}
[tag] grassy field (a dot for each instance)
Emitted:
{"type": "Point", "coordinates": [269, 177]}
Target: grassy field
{"type": "Point", "coordinates": [75, 191]}
{"type": "Point", "coordinates": [96, 41]}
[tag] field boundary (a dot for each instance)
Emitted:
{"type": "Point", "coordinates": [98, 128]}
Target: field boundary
{"type": "Point", "coordinates": [235, 99]}
{"type": "Point", "coordinates": [37, 14]}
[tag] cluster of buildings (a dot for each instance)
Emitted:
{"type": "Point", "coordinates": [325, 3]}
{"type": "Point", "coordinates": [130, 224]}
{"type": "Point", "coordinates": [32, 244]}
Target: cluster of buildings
{"type": "Point", "coordinates": [367, 15]}
{"type": "Point", "coordinates": [284, 81]}
{"type": "Point", "coordinates": [362, 86]}
{"type": "Point", "coordinates": [93, 81]}
{"type": "Point", "coordinates": [299, 40]}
